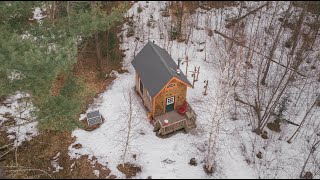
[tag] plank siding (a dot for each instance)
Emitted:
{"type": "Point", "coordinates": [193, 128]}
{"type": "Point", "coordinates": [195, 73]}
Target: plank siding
{"type": "Point", "coordinates": [178, 91]}
{"type": "Point", "coordinates": [147, 101]}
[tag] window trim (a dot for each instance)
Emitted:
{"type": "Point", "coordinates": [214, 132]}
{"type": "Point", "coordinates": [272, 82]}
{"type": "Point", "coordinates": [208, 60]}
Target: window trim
{"type": "Point", "coordinates": [141, 85]}
{"type": "Point", "coordinates": [170, 100]}
{"type": "Point", "coordinates": [171, 86]}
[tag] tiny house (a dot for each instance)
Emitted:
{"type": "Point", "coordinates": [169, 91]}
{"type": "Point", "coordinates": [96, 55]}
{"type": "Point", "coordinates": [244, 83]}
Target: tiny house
{"type": "Point", "coordinates": [161, 84]}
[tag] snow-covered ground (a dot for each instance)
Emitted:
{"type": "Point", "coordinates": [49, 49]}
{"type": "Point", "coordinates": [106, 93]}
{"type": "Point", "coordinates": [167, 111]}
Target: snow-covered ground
{"type": "Point", "coordinates": [237, 145]}
{"type": "Point", "coordinates": [160, 158]}
{"type": "Point", "coordinates": [18, 109]}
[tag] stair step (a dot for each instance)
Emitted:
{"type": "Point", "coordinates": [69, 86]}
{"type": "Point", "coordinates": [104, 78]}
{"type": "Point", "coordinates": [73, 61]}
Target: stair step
{"type": "Point", "coordinates": [189, 124]}
{"type": "Point", "coordinates": [191, 127]}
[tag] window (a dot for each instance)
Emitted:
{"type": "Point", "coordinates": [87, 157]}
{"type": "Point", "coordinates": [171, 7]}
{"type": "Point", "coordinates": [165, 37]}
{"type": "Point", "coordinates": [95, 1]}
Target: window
{"type": "Point", "coordinates": [170, 100]}
{"type": "Point", "coordinates": [141, 87]}
{"type": "Point", "coordinates": [171, 85]}
{"type": "Point", "coordinates": [149, 96]}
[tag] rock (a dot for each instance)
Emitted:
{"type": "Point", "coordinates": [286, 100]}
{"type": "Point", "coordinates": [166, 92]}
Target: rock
{"type": "Point", "coordinates": [113, 73]}
{"type": "Point", "coordinates": [308, 175]}
{"type": "Point", "coordinates": [208, 169]}
{"type": "Point", "coordinates": [193, 162]}
{"type": "Point", "coordinates": [122, 70]}
{"type": "Point", "coordinates": [259, 155]}
{"type": "Point", "coordinates": [264, 135]}
{"type": "Point", "coordinates": [2, 173]}
{"type": "Point", "coordinates": [112, 176]}
{"type": "Point", "coordinates": [77, 146]}
{"type": "Point", "coordinates": [93, 157]}
{"type": "Point", "coordinates": [149, 177]}
{"type": "Point", "coordinates": [210, 32]}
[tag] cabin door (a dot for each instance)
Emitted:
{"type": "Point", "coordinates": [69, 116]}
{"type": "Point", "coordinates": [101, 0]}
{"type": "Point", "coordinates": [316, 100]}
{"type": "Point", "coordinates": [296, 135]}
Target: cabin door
{"type": "Point", "coordinates": [170, 104]}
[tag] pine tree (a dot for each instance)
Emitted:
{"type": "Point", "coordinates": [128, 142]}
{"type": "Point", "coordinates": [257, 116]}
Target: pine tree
{"type": "Point", "coordinates": [36, 53]}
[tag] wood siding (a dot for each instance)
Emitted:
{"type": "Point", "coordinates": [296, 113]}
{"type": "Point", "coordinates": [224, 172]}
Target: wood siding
{"type": "Point", "coordinates": [179, 91]}
{"type": "Point", "coordinates": [147, 100]}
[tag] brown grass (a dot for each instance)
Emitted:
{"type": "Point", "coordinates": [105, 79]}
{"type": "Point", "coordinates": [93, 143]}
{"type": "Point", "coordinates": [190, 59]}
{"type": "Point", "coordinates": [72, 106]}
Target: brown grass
{"type": "Point", "coordinates": [57, 85]}
{"type": "Point", "coordinates": [130, 170]}
{"type": "Point", "coordinates": [274, 126]}
{"type": "Point", "coordinates": [40, 151]}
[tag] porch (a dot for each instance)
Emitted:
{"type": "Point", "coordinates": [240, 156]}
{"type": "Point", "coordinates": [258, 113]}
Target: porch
{"type": "Point", "coordinates": [173, 121]}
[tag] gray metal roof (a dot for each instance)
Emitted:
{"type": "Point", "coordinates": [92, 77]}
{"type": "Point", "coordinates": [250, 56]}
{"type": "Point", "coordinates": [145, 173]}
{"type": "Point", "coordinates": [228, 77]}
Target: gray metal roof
{"type": "Point", "coordinates": [156, 68]}
{"type": "Point", "coordinates": [94, 117]}
{"type": "Point", "coordinates": [93, 114]}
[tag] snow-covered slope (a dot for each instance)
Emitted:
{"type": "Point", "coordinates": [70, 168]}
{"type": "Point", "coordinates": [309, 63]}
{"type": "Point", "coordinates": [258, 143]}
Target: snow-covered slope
{"type": "Point", "coordinates": [237, 145]}
{"type": "Point", "coordinates": [106, 142]}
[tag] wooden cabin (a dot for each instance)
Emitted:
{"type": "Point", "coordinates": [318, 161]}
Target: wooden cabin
{"type": "Point", "coordinates": [161, 85]}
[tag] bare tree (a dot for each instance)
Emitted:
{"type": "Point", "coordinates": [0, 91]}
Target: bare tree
{"type": "Point", "coordinates": [130, 114]}
{"type": "Point", "coordinates": [275, 44]}
{"type": "Point", "coordinates": [217, 113]}
{"type": "Point", "coordinates": [304, 118]}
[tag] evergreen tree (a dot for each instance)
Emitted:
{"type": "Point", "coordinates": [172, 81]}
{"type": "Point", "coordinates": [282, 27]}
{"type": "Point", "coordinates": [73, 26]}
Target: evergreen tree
{"type": "Point", "coordinates": [33, 54]}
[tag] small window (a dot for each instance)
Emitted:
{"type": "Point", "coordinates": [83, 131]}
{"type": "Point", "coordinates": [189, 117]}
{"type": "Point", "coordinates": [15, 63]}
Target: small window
{"type": "Point", "coordinates": [171, 85]}
{"type": "Point", "coordinates": [170, 100]}
{"type": "Point", "coordinates": [149, 96]}
{"type": "Point", "coordinates": [141, 87]}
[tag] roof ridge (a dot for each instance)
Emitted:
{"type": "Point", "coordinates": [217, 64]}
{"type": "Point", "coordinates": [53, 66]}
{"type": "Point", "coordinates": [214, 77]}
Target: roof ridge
{"type": "Point", "coordinates": [162, 60]}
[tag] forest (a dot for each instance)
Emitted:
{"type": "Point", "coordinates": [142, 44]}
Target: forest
{"type": "Point", "coordinates": [255, 72]}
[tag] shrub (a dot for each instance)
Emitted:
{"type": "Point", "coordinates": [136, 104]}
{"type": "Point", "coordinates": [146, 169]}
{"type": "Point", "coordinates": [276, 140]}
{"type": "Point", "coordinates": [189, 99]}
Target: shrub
{"type": "Point", "coordinates": [139, 9]}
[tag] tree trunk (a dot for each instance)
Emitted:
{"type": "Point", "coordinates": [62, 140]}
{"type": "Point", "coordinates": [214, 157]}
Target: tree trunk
{"type": "Point", "coordinates": [96, 40]}
{"type": "Point", "coordinates": [303, 120]}
{"type": "Point", "coordinates": [129, 128]}
{"type": "Point", "coordinates": [274, 46]}
{"type": "Point", "coordinates": [98, 50]}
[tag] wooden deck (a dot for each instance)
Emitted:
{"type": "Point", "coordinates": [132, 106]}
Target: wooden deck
{"type": "Point", "coordinates": [175, 122]}
{"type": "Point", "coordinates": [172, 117]}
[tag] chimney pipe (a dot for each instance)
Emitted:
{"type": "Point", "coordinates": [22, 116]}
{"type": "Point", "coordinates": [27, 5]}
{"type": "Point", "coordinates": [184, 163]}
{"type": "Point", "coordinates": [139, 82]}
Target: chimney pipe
{"type": "Point", "coordinates": [178, 68]}
{"type": "Point", "coordinates": [179, 60]}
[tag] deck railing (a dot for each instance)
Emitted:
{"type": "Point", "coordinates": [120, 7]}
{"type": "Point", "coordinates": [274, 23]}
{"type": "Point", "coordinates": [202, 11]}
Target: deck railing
{"type": "Point", "coordinates": [191, 111]}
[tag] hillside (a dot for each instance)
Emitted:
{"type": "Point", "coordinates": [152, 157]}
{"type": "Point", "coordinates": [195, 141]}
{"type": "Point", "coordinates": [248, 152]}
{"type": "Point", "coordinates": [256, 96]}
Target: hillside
{"type": "Point", "coordinates": [259, 118]}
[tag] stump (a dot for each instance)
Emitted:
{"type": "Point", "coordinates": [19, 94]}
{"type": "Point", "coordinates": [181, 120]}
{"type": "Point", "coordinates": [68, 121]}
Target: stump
{"type": "Point", "coordinates": [193, 162]}
{"type": "Point", "coordinates": [264, 135]}
{"type": "Point", "coordinates": [308, 175]}
{"type": "Point", "coordinates": [259, 155]}
{"type": "Point", "coordinates": [77, 146]}
{"type": "Point", "coordinates": [130, 170]}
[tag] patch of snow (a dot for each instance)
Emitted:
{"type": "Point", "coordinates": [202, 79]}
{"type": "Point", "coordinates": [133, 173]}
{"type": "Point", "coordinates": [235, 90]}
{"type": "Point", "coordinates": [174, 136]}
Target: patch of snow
{"type": "Point", "coordinates": [72, 165]}
{"type": "Point", "coordinates": [55, 164]}
{"type": "Point", "coordinates": [15, 75]}
{"type": "Point", "coordinates": [96, 172]}
{"type": "Point", "coordinates": [38, 14]}
{"type": "Point", "coordinates": [19, 107]}
{"type": "Point", "coordinates": [82, 117]}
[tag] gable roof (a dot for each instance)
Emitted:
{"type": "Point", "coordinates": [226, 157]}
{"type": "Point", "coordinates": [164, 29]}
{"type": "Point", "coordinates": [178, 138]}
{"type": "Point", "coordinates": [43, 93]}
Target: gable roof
{"type": "Point", "coordinates": [156, 68]}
